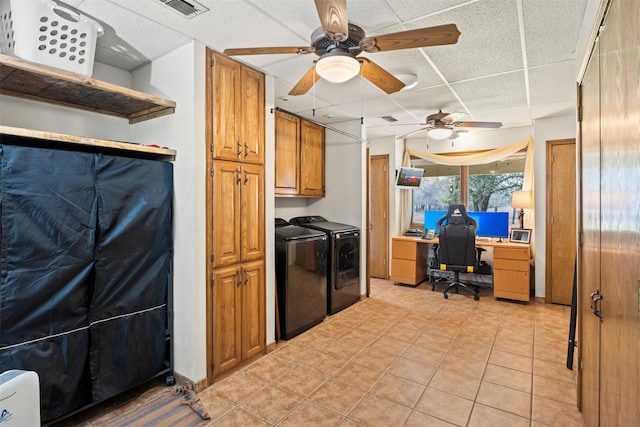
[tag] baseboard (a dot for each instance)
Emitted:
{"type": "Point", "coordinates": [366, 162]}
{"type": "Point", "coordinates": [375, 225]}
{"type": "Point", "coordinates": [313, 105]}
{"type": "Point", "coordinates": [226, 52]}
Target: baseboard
{"type": "Point", "coordinates": [197, 386]}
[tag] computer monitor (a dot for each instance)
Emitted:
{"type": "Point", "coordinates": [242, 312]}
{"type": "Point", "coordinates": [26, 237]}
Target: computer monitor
{"type": "Point", "coordinates": [430, 219]}
{"type": "Point", "coordinates": [491, 224]}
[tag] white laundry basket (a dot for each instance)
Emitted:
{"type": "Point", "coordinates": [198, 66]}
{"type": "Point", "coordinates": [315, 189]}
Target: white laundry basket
{"type": "Point", "coordinates": [43, 32]}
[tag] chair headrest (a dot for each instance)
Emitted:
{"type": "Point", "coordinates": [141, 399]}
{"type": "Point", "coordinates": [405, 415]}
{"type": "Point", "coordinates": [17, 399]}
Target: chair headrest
{"type": "Point", "coordinates": [457, 214]}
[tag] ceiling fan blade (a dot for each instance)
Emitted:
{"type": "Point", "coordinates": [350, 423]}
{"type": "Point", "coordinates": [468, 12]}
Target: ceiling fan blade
{"type": "Point", "coordinates": [379, 76]}
{"type": "Point", "coordinates": [268, 50]}
{"type": "Point", "coordinates": [491, 125]}
{"type": "Point", "coordinates": [305, 83]}
{"type": "Point", "coordinates": [453, 117]}
{"type": "Point", "coordinates": [422, 37]}
{"type": "Point", "coordinates": [333, 17]}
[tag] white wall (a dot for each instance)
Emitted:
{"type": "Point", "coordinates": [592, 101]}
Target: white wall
{"type": "Point", "coordinates": [545, 130]}
{"type": "Point", "coordinates": [183, 131]}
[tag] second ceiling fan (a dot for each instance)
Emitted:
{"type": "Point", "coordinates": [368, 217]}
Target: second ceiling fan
{"type": "Point", "coordinates": [338, 43]}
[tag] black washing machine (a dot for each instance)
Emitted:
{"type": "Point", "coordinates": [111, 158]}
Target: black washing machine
{"type": "Point", "coordinates": [301, 277]}
{"type": "Point", "coordinates": [343, 268]}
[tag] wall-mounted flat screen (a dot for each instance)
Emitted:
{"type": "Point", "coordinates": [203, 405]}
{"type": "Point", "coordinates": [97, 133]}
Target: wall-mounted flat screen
{"type": "Point", "coordinates": [491, 224]}
{"type": "Point", "coordinates": [409, 177]}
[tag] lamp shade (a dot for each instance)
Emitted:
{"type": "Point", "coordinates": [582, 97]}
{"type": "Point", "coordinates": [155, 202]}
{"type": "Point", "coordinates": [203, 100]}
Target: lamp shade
{"type": "Point", "coordinates": [522, 199]}
{"type": "Point", "coordinates": [440, 133]}
{"type": "Point", "coordinates": [337, 68]}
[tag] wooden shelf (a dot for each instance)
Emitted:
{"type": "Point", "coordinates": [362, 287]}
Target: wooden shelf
{"type": "Point", "coordinates": [19, 136]}
{"type": "Point", "coordinates": [24, 79]}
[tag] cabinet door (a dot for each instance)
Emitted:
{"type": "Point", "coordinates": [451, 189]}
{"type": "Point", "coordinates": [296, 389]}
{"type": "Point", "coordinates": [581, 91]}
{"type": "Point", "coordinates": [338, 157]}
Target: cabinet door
{"type": "Point", "coordinates": [287, 154]}
{"type": "Point", "coordinates": [252, 212]}
{"type": "Point", "coordinates": [252, 115]}
{"type": "Point", "coordinates": [253, 302]}
{"type": "Point", "coordinates": [311, 159]}
{"type": "Point", "coordinates": [227, 318]}
{"type": "Point", "coordinates": [226, 213]}
{"type": "Point", "coordinates": [226, 110]}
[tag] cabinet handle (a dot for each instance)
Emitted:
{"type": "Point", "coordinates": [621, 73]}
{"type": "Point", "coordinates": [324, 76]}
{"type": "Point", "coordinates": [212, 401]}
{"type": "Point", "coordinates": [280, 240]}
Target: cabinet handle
{"type": "Point", "coordinates": [238, 178]}
{"type": "Point", "coordinates": [239, 152]}
{"type": "Point", "coordinates": [596, 297]}
{"type": "Point", "coordinates": [238, 278]}
{"type": "Point", "coordinates": [246, 179]}
{"type": "Point", "coordinates": [244, 273]}
{"type": "Point", "coordinates": [246, 150]}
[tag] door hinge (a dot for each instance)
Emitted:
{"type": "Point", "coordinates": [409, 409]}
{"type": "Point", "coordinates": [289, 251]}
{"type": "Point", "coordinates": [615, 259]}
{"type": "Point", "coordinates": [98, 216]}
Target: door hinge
{"type": "Point", "coordinates": [580, 365]}
{"type": "Point", "coordinates": [579, 113]}
{"type": "Point", "coordinates": [212, 282]}
{"type": "Point", "coordinates": [212, 257]}
{"type": "Point", "coordinates": [580, 239]}
{"type": "Point", "coordinates": [212, 62]}
{"type": "Point", "coordinates": [211, 171]}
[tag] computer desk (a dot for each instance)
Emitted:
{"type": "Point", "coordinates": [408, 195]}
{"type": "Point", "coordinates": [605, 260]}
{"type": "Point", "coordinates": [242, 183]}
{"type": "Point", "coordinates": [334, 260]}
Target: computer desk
{"type": "Point", "coordinates": [511, 267]}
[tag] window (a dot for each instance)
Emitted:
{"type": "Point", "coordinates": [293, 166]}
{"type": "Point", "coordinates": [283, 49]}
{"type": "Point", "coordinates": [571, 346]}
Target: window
{"type": "Point", "coordinates": [479, 187]}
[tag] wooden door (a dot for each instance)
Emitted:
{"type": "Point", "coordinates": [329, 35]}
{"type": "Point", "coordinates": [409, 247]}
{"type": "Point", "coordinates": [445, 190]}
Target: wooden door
{"type": "Point", "coordinates": [227, 318]}
{"type": "Point", "coordinates": [253, 303]}
{"type": "Point", "coordinates": [252, 113]}
{"type": "Point", "coordinates": [287, 154]}
{"type": "Point", "coordinates": [561, 226]}
{"type": "Point", "coordinates": [312, 139]}
{"type": "Point", "coordinates": [379, 217]}
{"type": "Point", "coordinates": [620, 220]}
{"type": "Point", "coordinates": [588, 333]}
{"type": "Point", "coordinates": [223, 86]}
{"type": "Point", "coordinates": [252, 212]}
{"type": "Point", "coordinates": [227, 178]}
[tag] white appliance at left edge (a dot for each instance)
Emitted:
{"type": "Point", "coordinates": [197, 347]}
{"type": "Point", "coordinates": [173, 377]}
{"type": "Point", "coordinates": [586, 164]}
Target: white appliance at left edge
{"type": "Point", "coordinates": [19, 399]}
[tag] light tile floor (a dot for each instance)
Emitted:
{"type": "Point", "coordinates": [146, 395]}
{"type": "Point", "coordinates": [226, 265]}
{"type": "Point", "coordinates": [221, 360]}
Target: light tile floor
{"type": "Point", "coordinates": [408, 357]}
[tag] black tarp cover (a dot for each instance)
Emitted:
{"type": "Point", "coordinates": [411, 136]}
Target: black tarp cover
{"type": "Point", "coordinates": [85, 261]}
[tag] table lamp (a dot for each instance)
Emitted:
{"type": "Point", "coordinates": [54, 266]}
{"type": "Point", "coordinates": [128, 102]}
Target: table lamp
{"type": "Point", "coordinates": [522, 199]}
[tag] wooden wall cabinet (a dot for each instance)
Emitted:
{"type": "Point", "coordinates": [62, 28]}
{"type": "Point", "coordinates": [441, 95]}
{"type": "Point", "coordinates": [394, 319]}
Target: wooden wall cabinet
{"type": "Point", "coordinates": [238, 213]}
{"type": "Point", "coordinates": [299, 157]}
{"type": "Point", "coordinates": [239, 315]}
{"type": "Point", "coordinates": [409, 261]}
{"type": "Point", "coordinates": [237, 120]}
{"type": "Point", "coordinates": [235, 215]}
{"type": "Point", "coordinates": [511, 270]}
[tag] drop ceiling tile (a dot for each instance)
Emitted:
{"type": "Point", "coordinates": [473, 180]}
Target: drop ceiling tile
{"type": "Point", "coordinates": [543, 92]}
{"type": "Point", "coordinates": [489, 42]}
{"type": "Point", "coordinates": [493, 92]}
{"type": "Point", "coordinates": [412, 9]}
{"type": "Point", "coordinates": [558, 21]}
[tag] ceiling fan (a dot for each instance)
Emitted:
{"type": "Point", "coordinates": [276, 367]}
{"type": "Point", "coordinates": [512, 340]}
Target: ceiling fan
{"type": "Point", "coordinates": [443, 125]}
{"type": "Point", "coordinates": [338, 43]}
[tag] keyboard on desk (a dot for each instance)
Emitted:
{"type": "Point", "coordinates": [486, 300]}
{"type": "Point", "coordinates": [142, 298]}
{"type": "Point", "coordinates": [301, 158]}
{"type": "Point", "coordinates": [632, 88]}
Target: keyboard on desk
{"type": "Point", "coordinates": [413, 232]}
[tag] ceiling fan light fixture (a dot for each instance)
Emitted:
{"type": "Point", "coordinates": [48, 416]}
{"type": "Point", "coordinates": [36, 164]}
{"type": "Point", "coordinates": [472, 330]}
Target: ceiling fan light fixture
{"type": "Point", "coordinates": [410, 80]}
{"type": "Point", "coordinates": [439, 133]}
{"type": "Point", "coordinates": [337, 68]}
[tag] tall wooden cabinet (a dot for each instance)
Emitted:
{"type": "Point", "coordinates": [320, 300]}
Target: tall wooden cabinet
{"type": "Point", "coordinates": [235, 214]}
{"type": "Point", "coordinates": [608, 297]}
{"type": "Point", "coordinates": [299, 157]}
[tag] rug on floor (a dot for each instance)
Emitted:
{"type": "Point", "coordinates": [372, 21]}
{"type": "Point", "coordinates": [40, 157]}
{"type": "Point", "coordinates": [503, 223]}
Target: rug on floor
{"type": "Point", "coordinates": [160, 407]}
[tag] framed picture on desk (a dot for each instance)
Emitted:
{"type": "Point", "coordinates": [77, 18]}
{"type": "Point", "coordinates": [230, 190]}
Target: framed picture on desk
{"type": "Point", "coordinates": [520, 235]}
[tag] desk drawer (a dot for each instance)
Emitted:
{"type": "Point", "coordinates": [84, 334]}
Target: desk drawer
{"type": "Point", "coordinates": [510, 264]}
{"type": "Point", "coordinates": [510, 281]}
{"type": "Point", "coordinates": [403, 250]}
{"type": "Point", "coordinates": [511, 253]}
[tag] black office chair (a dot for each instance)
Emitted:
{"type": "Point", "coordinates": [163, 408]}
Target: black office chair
{"type": "Point", "coordinates": [457, 247]}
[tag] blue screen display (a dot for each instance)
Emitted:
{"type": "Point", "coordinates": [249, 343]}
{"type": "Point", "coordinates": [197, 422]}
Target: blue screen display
{"type": "Point", "coordinates": [491, 224]}
{"type": "Point", "coordinates": [430, 219]}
